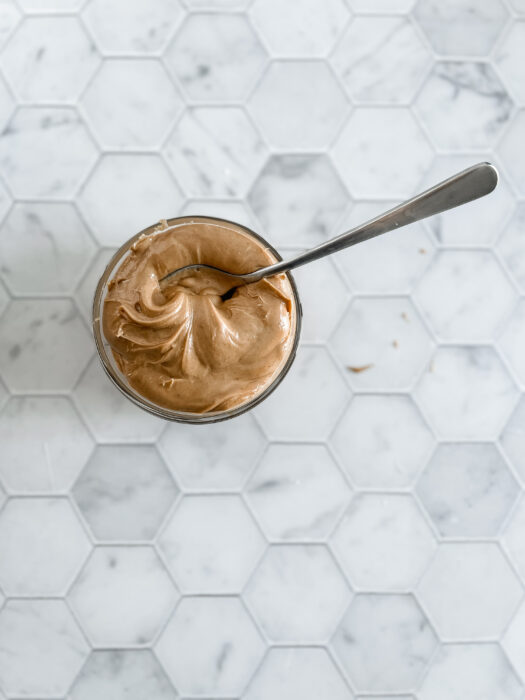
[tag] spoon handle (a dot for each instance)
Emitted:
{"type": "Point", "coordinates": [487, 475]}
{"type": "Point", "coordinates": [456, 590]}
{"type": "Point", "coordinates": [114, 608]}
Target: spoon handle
{"type": "Point", "coordinates": [469, 184]}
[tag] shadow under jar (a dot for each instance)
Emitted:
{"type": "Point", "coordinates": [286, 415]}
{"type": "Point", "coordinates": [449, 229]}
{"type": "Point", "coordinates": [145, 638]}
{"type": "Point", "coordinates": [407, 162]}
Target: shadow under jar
{"type": "Point", "coordinates": [119, 353]}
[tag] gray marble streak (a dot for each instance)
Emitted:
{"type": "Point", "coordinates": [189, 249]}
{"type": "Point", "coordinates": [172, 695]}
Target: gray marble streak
{"type": "Point", "coordinates": [210, 646]}
{"type": "Point", "coordinates": [384, 643]}
{"type": "Point", "coordinates": [41, 647]}
{"type": "Point", "coordinates": [124, 492]}
{"type": "Point", "coordinates": [464, 105]}
{"type": "Point", "coordinates": [445, 24]}
{"type": "Point", "coordinates": [467, 490]}
{"type": "Point", "coordinates": [381, 59]}
{"type": "Point", "coordinates": [122, 675]}
{"type": "Point", "coordinates": [298, 199]}
{"type": "Point", "coordinates": [44, 248]}
{"type": "Point", "coordinates": [31, 156]}
{"type": "Point", "coordinates": [50, 59]}
{"type": "Point", "coordinates": [297, 492]}
{"type": "Point", "coordinates": [123, 596]}
{"type": "Point", "coordinates": [43, 345]}
{"type": "Point", "coordinates": [215, 152]}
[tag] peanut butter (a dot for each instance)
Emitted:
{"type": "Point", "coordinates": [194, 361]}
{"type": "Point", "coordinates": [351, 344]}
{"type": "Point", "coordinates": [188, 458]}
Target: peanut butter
{"type": "Point", "coordinates": [183, 347]}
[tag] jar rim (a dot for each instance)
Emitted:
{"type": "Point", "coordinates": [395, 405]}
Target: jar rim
{"type": "Point", "coordinates": [133, 395]}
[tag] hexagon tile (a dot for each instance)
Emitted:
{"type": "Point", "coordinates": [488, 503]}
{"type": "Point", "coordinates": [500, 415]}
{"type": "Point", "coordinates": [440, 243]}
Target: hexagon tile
{"type": "Point", "coordinates": [360, 534]}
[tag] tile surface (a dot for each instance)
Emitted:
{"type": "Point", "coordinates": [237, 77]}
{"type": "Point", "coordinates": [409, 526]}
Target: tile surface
{"type": "Point", "coordinates": [359, 535]}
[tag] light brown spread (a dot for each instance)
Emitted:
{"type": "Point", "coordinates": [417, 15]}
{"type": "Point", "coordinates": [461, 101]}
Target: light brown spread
{"type": "Point", "coordinates": [183, 347]}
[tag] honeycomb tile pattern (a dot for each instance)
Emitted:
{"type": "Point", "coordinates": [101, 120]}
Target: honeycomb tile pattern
{"type": "Point", "coordinates": [359, 535]}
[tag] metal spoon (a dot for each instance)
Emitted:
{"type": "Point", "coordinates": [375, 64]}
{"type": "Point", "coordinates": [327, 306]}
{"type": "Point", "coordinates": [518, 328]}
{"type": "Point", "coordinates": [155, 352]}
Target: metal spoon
{"type": "Point", "coordinates": [469, 184]}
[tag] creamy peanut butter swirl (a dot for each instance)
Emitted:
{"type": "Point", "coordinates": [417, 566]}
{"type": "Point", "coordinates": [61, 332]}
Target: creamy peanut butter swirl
{"type": "Point", "coordinates": [183, 347]}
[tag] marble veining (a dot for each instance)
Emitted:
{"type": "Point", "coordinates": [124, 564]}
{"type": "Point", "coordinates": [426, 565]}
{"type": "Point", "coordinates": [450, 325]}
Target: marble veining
{"type": "Point", "coordinates": [298, 199]}
{"type": "Point", "coordinates": [381, 59]}
{"type": "Point", "coordinates": [359, 535]}
{"type": "Point", "coordinates": [464, 105]}
{"type": "Point", "coordinates": [50, 59]}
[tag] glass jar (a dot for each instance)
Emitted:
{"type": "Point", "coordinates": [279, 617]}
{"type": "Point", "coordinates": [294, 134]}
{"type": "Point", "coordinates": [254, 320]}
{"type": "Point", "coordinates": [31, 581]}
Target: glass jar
{"type": "Point", "coordinates": [121, 381]}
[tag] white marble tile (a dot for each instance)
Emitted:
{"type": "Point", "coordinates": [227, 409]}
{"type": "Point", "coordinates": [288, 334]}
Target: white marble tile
{"type": "Point", "coordinates": [228, 209]}
{"type": "Point", "coordinates": [324, 297]}
{"type": "Point", "coordinates": [512, 151]}
{"type": "Point", "coordinates": [384, 643]}
{"type": "Point", "coordinates": [45, 152]}
{"type": "Point", "coordinates": [381, 60]}
{"type": "Point", "coordinates": [126, 193]}
{"type": "Point", "coordinates": [109, 414]}
{"type": "Point", "coordinates": [512, 438]}
{"type": "Point", "coordinates": [41, 648]}
{"type": "Point", "coordinates": [378, 162]}
{"type": "Point", "coordinates": [513, 540]}
{"type": "Point", "coordinates": [386, 697]}
{"type": "Point", "coordinates": [514, 642]}
{"type": "Point", "coordinates": [511, 247]}
{"type": "Point", "coordinates": [297, 674]}
{"type": "Point", "coordinates": [216, 57]}
{"type": "Point", "coordinates": [383, 542]}
{"type": "Point", "coordinates": [125, 492]}
{"type": "Point", "coordinates": [216, 4]}
{"type": "Point", "coordinates": [210, 647]}
{"type": "Point", "coordinates": [303, 27]}
{"type": "Point", "coordinates": [132, 26]}
{"type": "Point", "coordinates": [469, 591]}
{"type": "Point", "coordinates": [4, 395]}
{"type": "Point", "coordinates": [465, 296]}
{"type": "Point", "coordinates": [297, 594]}
{"type": "Point", "coordinates": [88, 283]}
{"type": "Point", "coordinates": [298, 199]}
{"type": "Point", "coordinates": [470, 672]}
{"type": "Point", "coordinates": [299, 105]}
{"type": "Point", "coordinates": [518, 6]}
{"type": "Point", "coordinates": [58, 449]}
{"type": "Point", "coordinates": [122, 596]}
{"type": "Point", "coordinates": [463, 105]}
{"type": "Point", "coordinates": [444, 24]}
{"type": "Point", "coordinates": [49, 59]}
{"type": "Point", "coordinates": [216, 457]}
{"type": "Point", "coordinates": [468, 490]}
{"type": "Point", "coordinates": [43, 345]}
{"type": "Point", "coordinates": [512, 341]}
{"type": "Point", "coordinates": [466, 393]}
{"type": "Point", "coordinates": [7, 103]}
{"type": "Point", "coordinates": [215, 152]}
{"type": "Point", "coordinates": [381, 6]}
{"type": "Point", "coordinates": [10, 16]}
{"type": "Point", "coordinates": [389, 264]}
{"type": "Point", "coordinates": [294, 411]}
{"type": "Point", "coordinates": [42, 546]}
{"type": "Point", "coordinates": [131, 104]}
{"type": "Point", "coordinates": [211, 544]}
{"type": "Point", "coordinates": [382, 441]}
{"type": "Point", "coordinates": [4, 299]}
{"type": "Point", "coordinates": [41, 6]}
{"type": "Point", "coordinates": [44, 248]}
{"type": "Point", "coordinates": [477, 223]}
{"type": "Point", "coordinates": [5, 201]}
{"type": "Point", "coordinates": [297, 493]}
{"type": "Point", "coordinates": [122, 675]}
{"type": "Point", "coordinates": [509, 58]}
{"type": "Point", "coordinates": [382, 344]}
